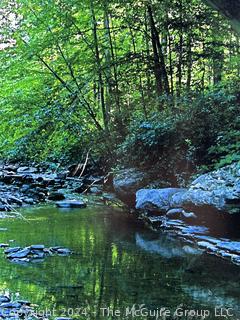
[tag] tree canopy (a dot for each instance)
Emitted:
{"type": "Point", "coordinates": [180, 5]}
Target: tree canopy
{"type": "Point", "coordinates": [80, 74]}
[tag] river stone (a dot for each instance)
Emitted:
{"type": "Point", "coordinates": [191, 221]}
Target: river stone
{"type": "Point", "coordinates": [27, 170]}
{"type": "Point", "coordinates": [95, 190]}
{"type": "Point", "coordinates": [174, 213]}
{"type": "Point", "coordinates": [63, 251]}
{"type": "Point", "coordinates": [38, 246]}
{"type": "Point", "coordinates": [208, 246]}
{"type": "Point", "coordinates": [196, 198]}
{"type": "Point", "coordinates": [38, 254]}
{"type": "Point", "coordinates": [4, 245]}
{"type": "Point", "coordinates": [10, 305]}
{"type": "Point", "coordinates": [19, 254]}
{"type": "Point", "coordinates": [156, 199]}
{"type": "Point", "coordinates": [189, 215]}
{"type": "Point", "coordinates": [232, 246]}
{"type": "Point", "coordinates": [71, 204]}
{"type": "Point", "coordinates": [4, 299]}
{"type": "Point", "coordinates": [127, 181]}
{"type": "Point", "coordinates": [11, 250]}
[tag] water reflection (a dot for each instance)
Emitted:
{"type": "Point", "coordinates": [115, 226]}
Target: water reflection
{"type": "Point", "coordinates": [116, 264]}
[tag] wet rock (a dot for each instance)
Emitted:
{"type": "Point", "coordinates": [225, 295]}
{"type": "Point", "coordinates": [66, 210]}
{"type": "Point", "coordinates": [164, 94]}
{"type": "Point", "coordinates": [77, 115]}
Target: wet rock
{"type": "Point", "coordinates": [4, 207]}
{"type": "Point", "coordinates": [174, 213]}
{"type": "Point", "coordinates": [19, 254]}
{"type": "Point", "coordinates": [232, 246]}
{"type": "Point", "coordinates": [218, 188]}
{"type": "Point", "coordinates": [63, 251]}
{"type": "Point", "coordinates": [4, 299]}
{"type": "Point", "coordinates": [27, 170]}
{"type": "Point", "coordinates": [10, 305]}
{"type": "Point", "coordinates": [206, 245]}
{"type": "Point", "coordinates": [25, 188]}
{"type": "Point", "coordinates": [156, 199]}
{"type": "Point", "coordinates": [95, 190]}
{"type": "Point", "coordinates": [34, 253]}
{"type": "Point", "coordinates": [71, 204]}
{"type": "Point", "coordinates": [29, 201]}
{"type": "Point", "coordinates": [4, 245]}
{"type": "Point", "coordinates": [24, 302]}
{"type": "Point", "coordinates": [37, 247]}
{"type": "Point", "coordinates": [11, 250]}
{"type": "Point", "coordinates": [38, 254]}
{"type": "Point", "coordinates": [12, 168]}
{"type": "Point", "coordinates": [189, 215]}
{"type": "Point", "coordinates": [56, 248]}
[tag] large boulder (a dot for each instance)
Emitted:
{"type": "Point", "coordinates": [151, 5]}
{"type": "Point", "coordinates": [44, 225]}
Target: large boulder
{"type": "Point", "coordinates": [217, 188]}
{"type": "Point", "coordinates": [156, 199]}
{"type": "Point", "coordinates": [127, 181]}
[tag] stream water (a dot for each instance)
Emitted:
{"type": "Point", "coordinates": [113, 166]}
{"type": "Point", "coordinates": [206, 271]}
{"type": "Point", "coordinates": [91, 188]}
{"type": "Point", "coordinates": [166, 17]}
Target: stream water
{"type": "Point", "coordinates": [116, 263]}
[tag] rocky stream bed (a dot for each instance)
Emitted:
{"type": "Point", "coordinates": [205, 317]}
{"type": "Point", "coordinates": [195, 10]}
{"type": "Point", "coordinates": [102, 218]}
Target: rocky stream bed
{"type": "Point", "coordinates": [205, 214]}
{"type": "Point", "coordinates": [22, 186]}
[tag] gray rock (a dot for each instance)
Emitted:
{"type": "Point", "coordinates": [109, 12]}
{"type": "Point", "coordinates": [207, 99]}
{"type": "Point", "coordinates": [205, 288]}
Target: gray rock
{"type": "Point", "coordinates": [4, 245]}
{"type": "Point", "coordinates": [19, 254]}
{"type": "Point", "coordinates": [63, 251]}
{"type": "Point", "coordinates": [196, 198]}
{"type": "Point", "coordinates": [95, 190]}
{"type": "Point", "coordinates": [156, 199]}
{"type": "Point", "coordinates": [71, 204]}
{"type": "Point", "coordinates": [189, 215]}
{"type": "Point", "coordinates": [10, 305]}
{"type": "Point", "coordinates": [217, 188]}
{"type": "Point", "coordinates": [207, 246]}
{"type": "Point", "coordinates": [11, 250]}
{"type": "Point", "coordinates": [126, 182]}
{"type": "Point", "coordinates": [174, 213]}
{"type": "Point", "coordinates": [27, 170]}
{"type": "Point", "coordinates": [4, 299]}
{"type": "Point", "coordinates": [232, 246]}
{"type": "Point", "coordinates": [37, 254]}
{"type": "Point", "coordinates": [38, 246]}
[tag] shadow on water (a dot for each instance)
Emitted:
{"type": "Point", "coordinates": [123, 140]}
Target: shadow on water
{"type": "Point", "coordinates": [117, 263]}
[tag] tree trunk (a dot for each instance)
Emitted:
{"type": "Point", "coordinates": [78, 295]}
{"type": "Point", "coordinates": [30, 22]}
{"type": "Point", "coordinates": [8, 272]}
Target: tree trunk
{"type": "Point", "coordinates": [158, 56]}
{"type": "Point", "coordinates": [99, 68]}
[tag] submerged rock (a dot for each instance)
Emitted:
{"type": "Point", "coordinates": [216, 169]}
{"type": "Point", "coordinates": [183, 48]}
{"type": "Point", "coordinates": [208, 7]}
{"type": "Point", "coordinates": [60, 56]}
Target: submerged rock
{"type": "Point", "coordinates": [34, 253]}
{"type": "Point", "coordinates": [19, 254]}
{"type": "Point", "coordinates": [71, 204]}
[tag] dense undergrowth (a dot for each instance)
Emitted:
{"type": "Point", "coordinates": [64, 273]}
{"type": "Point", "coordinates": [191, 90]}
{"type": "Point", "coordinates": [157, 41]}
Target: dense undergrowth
{"type": "Point", "coordinates": [195, 133]}
{"type": "Point", "coordinates": [200, 131]}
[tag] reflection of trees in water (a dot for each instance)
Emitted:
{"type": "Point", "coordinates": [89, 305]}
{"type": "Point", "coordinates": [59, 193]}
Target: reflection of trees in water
{"type": "Point", "coordinates": [117, 265]}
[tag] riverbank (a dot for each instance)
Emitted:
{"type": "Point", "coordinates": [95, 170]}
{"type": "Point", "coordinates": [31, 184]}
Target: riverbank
{"type": "Point", "coordinates": [26, 185]}
{"type": "Point", "coordinates": [205, 213]}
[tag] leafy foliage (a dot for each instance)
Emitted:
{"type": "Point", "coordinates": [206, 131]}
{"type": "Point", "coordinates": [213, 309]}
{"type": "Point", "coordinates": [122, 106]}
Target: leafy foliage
{"type": "Point", "coordinates": [154, 77]}
{"type": "Point", "coordinates": [204, 130]}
